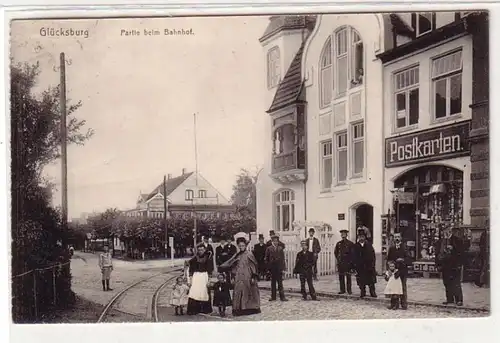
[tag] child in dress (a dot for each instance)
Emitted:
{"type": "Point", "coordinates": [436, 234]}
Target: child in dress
{"type": "Point", "coordinates": [394, 287]}
{"type": "Point", "coordinates": [179, 296]}
{"type": "Point", "coordinates": [222, 296]}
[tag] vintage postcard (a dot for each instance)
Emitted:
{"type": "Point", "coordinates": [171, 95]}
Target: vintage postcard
{"type": "Point", "coordinates": [250, 168]}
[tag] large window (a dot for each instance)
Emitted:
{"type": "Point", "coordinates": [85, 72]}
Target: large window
{"type": "Point", "coordinates": [273, 67]}
{"type": "Point", "coordinates": [358, 149]}
{"type": "Point", "coordinates": [326, 164]}
{"type": "Point", "coordinates": [406, 86]}
{"type": "Point", "coordinates": [189, 194]}
{"type": "Point", "coordinates": [447, 85]}
{"type": "Point", "coordinates": [325, 76]}
{"type": "Point", "coordinates": [341, 64]}
{"type": "Point", "coordinates": [342, 157]}
{"type": "Point", "coordinates": [284, 210]}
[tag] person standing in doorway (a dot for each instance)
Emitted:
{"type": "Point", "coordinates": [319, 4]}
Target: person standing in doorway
{"type": "Point", "coordinates": [364, 262]}
{"type": "Point", "coordinates": [398, 255]}
{"type": "Point", "coordinates": [361, 227]}
{"type": "Point", "coordinates": [344, 253]}
{"type": "Point", "coordinates": [315, 248]}
{"type": "Point", "coordinates": [106, 266]}
{"type": "Point", "coordinates": [449, 254]}
{"type": "Point", "coordinates": [275, 263]}
{"type": "Point", "coordinates": [259, 251]}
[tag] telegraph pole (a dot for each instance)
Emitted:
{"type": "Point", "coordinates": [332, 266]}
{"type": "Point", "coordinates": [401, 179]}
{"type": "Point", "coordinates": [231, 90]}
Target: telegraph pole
{"type": "Point", "coordinates": [165, 212]}
{"type": "Point", "coordinates": [195, 224]}
{"type": "Point", "coordinates": [64, 156]}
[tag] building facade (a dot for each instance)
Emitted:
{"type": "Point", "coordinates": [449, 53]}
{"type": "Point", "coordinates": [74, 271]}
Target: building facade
{"type": "Point", "coordinates": [187, 195]}
{"type": "Point", "coordinates": [428, 111]}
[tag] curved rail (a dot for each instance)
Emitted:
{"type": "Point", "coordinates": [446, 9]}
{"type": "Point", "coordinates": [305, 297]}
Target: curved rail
{"type": "Point", "coordinates": [154, 301]}
{"type": "Point", "coordinates": [117, 296]}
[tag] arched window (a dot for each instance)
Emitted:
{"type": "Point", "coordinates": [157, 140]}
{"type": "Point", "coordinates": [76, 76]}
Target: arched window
{"type": "Point", "coordinates": [273, 67]}
{"type": "Point", "coordinates": [348, 59]}
{"type": "Point", "coordinates": [189, 194]}
{"type": "Point", "coordinates": [325, 75]}
{"type": "Point", "coordinates": [284, 210]}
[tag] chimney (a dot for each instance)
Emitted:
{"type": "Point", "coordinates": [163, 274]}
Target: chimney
{"type": "Point", "coordinates": [183, 171]}
{"type": "Point", "coordinates": [169, 176]}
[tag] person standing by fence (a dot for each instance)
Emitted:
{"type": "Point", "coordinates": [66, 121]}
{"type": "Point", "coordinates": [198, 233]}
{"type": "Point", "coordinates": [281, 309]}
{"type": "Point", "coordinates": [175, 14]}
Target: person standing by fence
{"type": "Point", "coordinates": [344, 254]}
{"type": "Point", "coordinates": [275, 262]}
{"type": "Point", "coordinates": [259, 251]}
{"type": "Point", "coordinates": [106, 266]}
{"type": "Point", "coordinates": [314, 247]}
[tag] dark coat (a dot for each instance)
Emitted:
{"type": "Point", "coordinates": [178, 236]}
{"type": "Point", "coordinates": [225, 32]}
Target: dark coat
{"type": "Point", "coordinates": [364, 262]}
{"type": "Point", "coordinates": [304, 263]}
{"type": "Point", "coordinates": [449, 259]}
{"type": "Point", "coordinates": [259, 251]}
{"type": "Point", "coordinates": [201, 264]}
{"type": "Point", "coordinates": [222, 296]}
{"type": "Point", "coordinates": [344, 253]}
{"type": "Point", "coordinates": [280, 243]}
{"type": "Point", "coordinates": [316, 248]}
{"type": "Point", "coordinates": [222, 254]}
{"type": "Point", "coordinates": [275, 259]}
{"type": "Point", "coordinates": [394, 254]}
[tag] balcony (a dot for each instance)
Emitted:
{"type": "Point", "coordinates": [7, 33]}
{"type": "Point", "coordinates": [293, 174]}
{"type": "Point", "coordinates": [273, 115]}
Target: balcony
{"type": "Point", "coordinates": [289, 167]}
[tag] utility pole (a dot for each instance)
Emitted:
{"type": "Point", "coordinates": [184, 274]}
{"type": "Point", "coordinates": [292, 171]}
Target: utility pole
{"type": "Point", "coordinates": [195, 224]}
{"type": "Point", "coordinates": [165, 207]}
{"type": "Point", "coordinates": [64, 156]}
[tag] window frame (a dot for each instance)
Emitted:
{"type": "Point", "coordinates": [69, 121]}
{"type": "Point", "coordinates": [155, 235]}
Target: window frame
{"type": "Point", "coordinates": [187, 192]}
{"type": "Point", "coordinates": [202, 193]}
{"type": "Point", "coordinates": [327, 49]}
{"type": "Point", "coordinates": [279, 203]}
{"type": "Point", "coordinates": [447, 76]}
{"type": "Point", "coordinates": [273, 67]}
{"type": "Point", "coordinates": [323, 158]}
{"type": "Point", "coordinates": [406, 90]}
{"type": "Point", "coordinates": [339, 149]}
{"type": "Point", "coordinates": [353, 141]}
{"type": "Point", "coordinates": [432, 20]}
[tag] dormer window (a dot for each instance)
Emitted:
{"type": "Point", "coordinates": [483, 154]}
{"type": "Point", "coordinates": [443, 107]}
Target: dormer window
{"type": "Point", "coordinates": [189, 194]}
{"type": "Point", "coordinates": [423, 23]}
{"type": "Point", "coordinates": [202, 193]}
{"type": "Point", "coordinates": [273, 67]}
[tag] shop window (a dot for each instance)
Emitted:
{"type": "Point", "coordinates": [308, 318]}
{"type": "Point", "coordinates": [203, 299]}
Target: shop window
{"type": "Point", "coordinates": [284, 210]}
{"type": "Point", "coordinates": [447, 85]}
{"type": "Point", "coordinates": [342, 157]}
{"type": "Point", "coordinates": [326, 165]}
{"type": "Point", "coordinates": [406, 97]}
{"type": "Point", "coordinates": [358, 149]}
{"type": "Point", "coordinates": [325, 76]}
{"type": "Point", "coordinates": [273, 67]}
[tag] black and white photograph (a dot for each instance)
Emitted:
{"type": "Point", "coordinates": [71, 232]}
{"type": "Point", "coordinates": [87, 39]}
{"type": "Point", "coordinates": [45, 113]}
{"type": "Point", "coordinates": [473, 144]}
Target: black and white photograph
{"type": "Point", "coordinates": [279, 167]}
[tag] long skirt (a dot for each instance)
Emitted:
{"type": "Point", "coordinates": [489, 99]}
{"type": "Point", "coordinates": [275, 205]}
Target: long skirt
{"type": "Point", "coordinates": [199, 296]}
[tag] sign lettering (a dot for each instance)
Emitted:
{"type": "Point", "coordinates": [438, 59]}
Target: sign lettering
{"type": "Point", "coordinates": [439, 143]}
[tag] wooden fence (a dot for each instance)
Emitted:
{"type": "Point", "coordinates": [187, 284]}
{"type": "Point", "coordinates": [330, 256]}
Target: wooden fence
{"type": "Point", "coordinates": [326, 259]}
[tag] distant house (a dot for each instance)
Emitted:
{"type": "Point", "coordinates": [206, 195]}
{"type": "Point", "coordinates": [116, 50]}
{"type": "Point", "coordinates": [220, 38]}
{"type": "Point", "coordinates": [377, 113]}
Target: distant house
{"type": "Point", "coordinates": [187, 194]}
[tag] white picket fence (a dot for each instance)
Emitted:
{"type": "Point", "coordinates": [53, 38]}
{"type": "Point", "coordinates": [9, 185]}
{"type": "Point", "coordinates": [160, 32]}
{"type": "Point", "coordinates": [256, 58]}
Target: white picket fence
{"type": "Point", "coordinates": [326, 259]}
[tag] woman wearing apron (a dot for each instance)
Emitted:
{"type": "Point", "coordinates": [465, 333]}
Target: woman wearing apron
{"type": "Point", "coordinates": [200, 269]}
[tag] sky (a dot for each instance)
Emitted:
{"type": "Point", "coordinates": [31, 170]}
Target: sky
{"type": "Point", "coordinates": [139, 94]}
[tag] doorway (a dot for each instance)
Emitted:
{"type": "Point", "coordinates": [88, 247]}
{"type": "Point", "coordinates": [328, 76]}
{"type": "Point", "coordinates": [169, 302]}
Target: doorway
{"type": "Point", "coordinates": [363, 215]}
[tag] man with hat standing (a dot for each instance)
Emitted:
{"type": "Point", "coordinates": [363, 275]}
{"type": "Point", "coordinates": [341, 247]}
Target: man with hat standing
{"type": "Point", "coordinates": [398, 254]}
{"type": "Point", "coordinates": [344, 254]}
{"type": "Point", "coordinates": [364, 264]}
{"type": "Point", "coordinates": [275, 263]}
{"type": "Point", "coordinates": [314, 247]}
{"type": "Point", "coordinates": [223, 253]}
{"type": "Point", "coordinates": [304, 266]}
{"type": "Point", "coordinates": [259, 251]}
{"type": "Point", "coordinates": [270, 241]}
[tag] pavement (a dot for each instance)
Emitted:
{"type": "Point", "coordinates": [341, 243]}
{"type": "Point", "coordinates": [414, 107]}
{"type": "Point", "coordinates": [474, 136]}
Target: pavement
{"type": "Point", "coordinates": [421, 291]}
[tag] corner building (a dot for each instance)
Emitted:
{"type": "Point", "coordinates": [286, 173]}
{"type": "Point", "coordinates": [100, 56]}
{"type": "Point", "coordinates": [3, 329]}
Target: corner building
{"type": "Point", "coordinates": [325, 136]}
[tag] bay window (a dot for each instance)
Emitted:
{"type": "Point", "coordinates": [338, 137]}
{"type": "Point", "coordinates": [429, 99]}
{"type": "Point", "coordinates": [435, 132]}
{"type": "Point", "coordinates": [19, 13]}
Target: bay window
{"type": "Point", "coordinates": [326, 165]}
{"type": "Point", "coordinates": [284, 210]}
{"type": "Point", "coordinates": [406, 86]}
{"type": "Point", "coordinates": [447, 85]}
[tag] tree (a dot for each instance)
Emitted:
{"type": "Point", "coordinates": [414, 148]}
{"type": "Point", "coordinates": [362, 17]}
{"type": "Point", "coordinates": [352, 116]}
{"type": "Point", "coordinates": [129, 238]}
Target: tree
{"type": "Point", "coordinates": [245, 193]}
{"type": "Point", "coordinates": [36, 226]}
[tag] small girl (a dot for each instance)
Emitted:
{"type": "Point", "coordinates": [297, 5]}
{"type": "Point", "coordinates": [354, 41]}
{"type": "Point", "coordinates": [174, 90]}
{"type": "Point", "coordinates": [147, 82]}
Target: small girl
{"type": "Point", "coordinates": [394, 288]}
{"type": "Point", "coordinates": [179, 296]}
{"type": "Point", "coordinates": [222, 297]}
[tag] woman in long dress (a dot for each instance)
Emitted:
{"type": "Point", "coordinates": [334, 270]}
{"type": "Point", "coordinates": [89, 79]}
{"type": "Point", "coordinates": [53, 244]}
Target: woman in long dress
{"type": "Point", "coordinates": [200, 268]}
{"type": "Point", "coordinates": [244, 267]}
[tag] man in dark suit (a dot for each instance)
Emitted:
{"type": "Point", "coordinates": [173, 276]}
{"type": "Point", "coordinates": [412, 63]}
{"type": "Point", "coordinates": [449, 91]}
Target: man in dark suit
{"type": "Point", "coordinates": [449, 254]}
{"type": "Point", "coordinates": [344, 252]}
{"type": "Point", "coordinates": [314, 247]}
{"type": "Point", "coordinates": [209, 250]}
{"type": "Point", "coordinates": [398, 254]}
{"type": "Point", "coordinates": [304, 264]}
{"type": "Point", "coordinates": [259, 251]}
{"type": "Point", "coordinates": [364, 262]}
{"type": "Point", "coordinates": [275, 263]}
{"type": "Point", "coordinates": [224, 252]}
{"type": "Point", "coordinates": [270, 242]}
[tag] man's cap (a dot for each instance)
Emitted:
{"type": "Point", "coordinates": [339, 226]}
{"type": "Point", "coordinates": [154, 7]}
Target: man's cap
{"type": "Point", "coordinates": [344, 231]}
{"type": "Point", "coordinates": [261, 236]}
{"type": "Point", "coordinates": [271, 232]}
{"type": "Point", "coordinates": [312, 230]}
{"type": "Point", "coordinates": [274, 235]}
{"type": "Point", "coordinates": [362, 233]}
{"type": "Point", "coordinates": [303, 241]}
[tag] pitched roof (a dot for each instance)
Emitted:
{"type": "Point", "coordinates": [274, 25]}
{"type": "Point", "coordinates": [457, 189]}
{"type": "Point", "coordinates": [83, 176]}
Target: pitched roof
{"type": "Point", "coordinates": [290, 88]}
{"type": "Point", "coordinates": [279, 23]}
{"type": "Point", "coordinates": [172, 185]}
{"type": "Point", "coordinates": [143, 197]}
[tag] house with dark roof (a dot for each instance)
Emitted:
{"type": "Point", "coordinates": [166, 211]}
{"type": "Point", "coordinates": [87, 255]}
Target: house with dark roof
{"type": "Point", "coordinates": [187, 194]}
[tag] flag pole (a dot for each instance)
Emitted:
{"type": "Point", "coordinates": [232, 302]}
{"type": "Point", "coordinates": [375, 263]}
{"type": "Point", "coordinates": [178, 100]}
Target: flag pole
{"type": "Point", "coordinates": [165, 211]}
{"type": "Point", "coordinates": [196, 178]}
{"type": "Point", "coordinates": [64, 155]}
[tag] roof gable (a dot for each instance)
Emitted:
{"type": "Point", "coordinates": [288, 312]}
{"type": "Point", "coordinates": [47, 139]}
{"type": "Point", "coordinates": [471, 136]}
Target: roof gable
{"type": "Point", "coordinates": [172, 185]}
{"type": "Point", "coordinates": [279, 23]}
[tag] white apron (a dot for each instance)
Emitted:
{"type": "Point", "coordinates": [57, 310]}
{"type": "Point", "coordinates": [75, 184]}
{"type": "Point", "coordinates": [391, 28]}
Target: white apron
{"type": "Point", "coordinates": [394, 286]}
{"type": "Point", "coordinates": [199, 290]}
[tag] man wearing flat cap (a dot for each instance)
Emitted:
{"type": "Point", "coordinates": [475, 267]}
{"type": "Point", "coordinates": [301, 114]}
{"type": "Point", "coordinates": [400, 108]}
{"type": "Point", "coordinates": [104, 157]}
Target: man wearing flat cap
{"type": "Point", "coordinates": [275, 264]}
{"type": "Point", "coordinates": [344, 253]}
{"type": "Point", "coordinates": [364, 264]}
{"type": "Point", "coordinates": [304, 265]}
{"type": "Point", "coordinates": [314, 247]}
{"type": "Point", "coordinates": [259, 251]}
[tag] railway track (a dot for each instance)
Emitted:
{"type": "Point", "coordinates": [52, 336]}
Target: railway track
{"type": "Point", "coordinates": [117, 308]}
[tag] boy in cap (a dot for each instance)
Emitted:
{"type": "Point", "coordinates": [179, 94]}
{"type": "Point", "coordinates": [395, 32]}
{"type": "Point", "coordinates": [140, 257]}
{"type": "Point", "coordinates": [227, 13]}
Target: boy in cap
{"type": "Point", "coordinates": [304, 266]}
{"type": "Point", "coordinates": [106, 266]}
{"type": "Point", "coordinates": [344, 256]}
{"type": "Point", "coordinates": [259, 251]}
